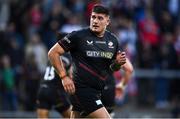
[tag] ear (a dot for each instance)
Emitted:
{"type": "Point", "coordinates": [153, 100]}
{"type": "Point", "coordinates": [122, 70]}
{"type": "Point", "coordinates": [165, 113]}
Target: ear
{"type": "Point", "coordinates": [108, 21]}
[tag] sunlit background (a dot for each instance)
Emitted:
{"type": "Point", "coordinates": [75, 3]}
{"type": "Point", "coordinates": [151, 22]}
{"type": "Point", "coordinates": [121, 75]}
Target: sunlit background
{"type": "Point", "coordinates": [148, 31]}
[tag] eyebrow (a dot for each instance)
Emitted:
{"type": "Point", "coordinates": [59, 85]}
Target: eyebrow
{"type": "Point", "coordinates": [96, 15]}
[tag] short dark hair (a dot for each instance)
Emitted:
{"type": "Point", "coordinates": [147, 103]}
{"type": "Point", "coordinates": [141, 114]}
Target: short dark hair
{"type": "Point", "coordinates": [98, 8]}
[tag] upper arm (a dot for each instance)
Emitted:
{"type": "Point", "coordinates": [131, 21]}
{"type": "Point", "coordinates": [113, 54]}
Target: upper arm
{"type": "Point", "coordinates": [56, 49]}
{"type": "Point", "coordinates": [69, 42]}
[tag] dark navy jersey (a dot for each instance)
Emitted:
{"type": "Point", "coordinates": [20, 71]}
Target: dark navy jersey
{"type": "Point", "coordinates": [50, 76]}
{"type": "Point", "coordinates": [91, 56]}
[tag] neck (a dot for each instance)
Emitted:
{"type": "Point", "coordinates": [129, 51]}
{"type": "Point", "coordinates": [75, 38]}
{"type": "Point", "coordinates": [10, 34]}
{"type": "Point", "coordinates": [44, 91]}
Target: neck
{"type": "Point", "coordinates": [100, 34]}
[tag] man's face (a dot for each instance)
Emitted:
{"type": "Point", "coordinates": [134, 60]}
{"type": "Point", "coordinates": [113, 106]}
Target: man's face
{"type": "Point", "coordinates": [99, 22]}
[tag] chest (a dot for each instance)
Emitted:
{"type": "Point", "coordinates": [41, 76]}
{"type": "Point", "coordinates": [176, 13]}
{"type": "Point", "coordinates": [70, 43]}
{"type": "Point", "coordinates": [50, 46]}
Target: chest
{"type": "Point", "coordinates": [96, 48]}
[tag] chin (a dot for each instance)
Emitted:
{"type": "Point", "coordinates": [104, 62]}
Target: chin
{"type": "Point", "coordinates": [95, 31]}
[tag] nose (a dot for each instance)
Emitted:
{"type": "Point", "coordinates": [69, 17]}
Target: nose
{"type": "Point", "coordinates": [95, 20]}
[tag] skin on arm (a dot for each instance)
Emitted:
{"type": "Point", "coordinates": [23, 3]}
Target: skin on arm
{"type": "Point", "coordinates": [128, 70]}
{"type": "Point", "coordinates": [57, 63]}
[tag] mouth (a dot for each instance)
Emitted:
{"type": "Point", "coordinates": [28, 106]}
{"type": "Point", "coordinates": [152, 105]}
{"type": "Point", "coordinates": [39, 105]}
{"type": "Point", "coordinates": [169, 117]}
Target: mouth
{"type": "Point", "coordinates": [95, 26]}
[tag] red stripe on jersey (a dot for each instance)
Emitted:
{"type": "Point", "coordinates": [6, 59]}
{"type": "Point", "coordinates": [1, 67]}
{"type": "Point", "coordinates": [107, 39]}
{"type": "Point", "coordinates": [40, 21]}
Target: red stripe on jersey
{"type": "Point", "coordinates": [91, 71]}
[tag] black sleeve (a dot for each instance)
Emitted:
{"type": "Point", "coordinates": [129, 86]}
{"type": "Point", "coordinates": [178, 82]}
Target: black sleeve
{"type": "Point", "coordinates": [117, 48]}
{"type": "Point", "coordinates": [68, 42]}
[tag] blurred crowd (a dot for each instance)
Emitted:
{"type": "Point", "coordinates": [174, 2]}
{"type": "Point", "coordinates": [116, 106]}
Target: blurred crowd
{"type": "Point", "coordinates": [148, 30]}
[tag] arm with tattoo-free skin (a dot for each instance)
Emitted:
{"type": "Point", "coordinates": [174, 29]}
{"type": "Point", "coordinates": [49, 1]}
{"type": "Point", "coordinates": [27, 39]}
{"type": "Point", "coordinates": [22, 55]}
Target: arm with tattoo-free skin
{"type": "Point", "coordinates": [128, 71]}
{"type": "Point", "coordinates": [57, 63]}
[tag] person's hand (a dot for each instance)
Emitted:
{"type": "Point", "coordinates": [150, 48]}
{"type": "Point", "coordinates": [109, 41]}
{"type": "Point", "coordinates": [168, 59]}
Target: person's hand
{"type": "Point", "coordinates": [120, 90]}
{"type": "Point", "coordinates": [120, 86]}
{"type": "Point", "coordinates": [68, 85]}
{"type": "Point", "coordinates": [120, 58]}
{"type": "Point", "coordinates": [119, 61]}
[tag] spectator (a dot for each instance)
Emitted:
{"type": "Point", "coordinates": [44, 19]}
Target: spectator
{"type": "Point", "coordinates": [4, 14]}
{"type": "Point", "coordinates": [33, 76]}
{"type": "Point", "coordinates": [149, 30]}
{"type": "Point", "coordinates": [71, 25]}
{"type": "Point", "coordinates": [36, 48]}
{"type": "Point", "coordinates": [127, 37]}
{"type": "Point", "coordinates": [35, 17]}
{"type": "Point", "coordinates": [9, 97]}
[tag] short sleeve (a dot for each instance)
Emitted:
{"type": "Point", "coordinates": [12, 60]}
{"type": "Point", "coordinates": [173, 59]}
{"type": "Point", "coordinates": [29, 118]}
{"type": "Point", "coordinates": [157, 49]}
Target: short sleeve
{"type": "Point", "coordinates": [117, 47]}
{"type": "Point", "coordinates": [68, 42]}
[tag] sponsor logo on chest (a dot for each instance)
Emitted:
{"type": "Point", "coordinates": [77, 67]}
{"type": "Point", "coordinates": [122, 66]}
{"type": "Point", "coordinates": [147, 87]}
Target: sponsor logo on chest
{"type": "Point", "coordinates": [101, 54]}
{"type": "Point", "coordinates": [89, 42]}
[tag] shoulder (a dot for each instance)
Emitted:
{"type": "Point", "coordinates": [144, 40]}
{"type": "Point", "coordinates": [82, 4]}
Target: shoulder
{"type": "Point", "coordinates": [80, 32]}
{"type": "Point", "coordinates": [111, 36]}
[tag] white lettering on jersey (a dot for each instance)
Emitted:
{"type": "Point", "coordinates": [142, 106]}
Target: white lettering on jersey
{"type": "Point", "coordinates": [50, 73]}
{"type": "Point", "coordinates": [66, 39]}
{"type": "Point", "coordinates": [102, 54]}
{"type": "Point", "coordinates": [100, 42]}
